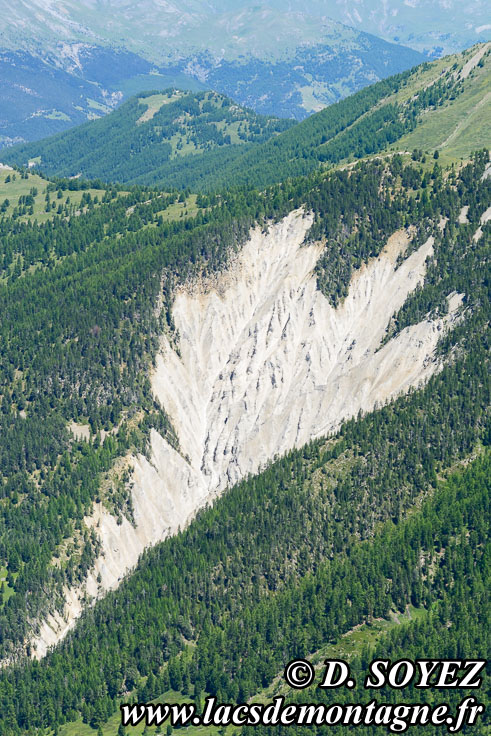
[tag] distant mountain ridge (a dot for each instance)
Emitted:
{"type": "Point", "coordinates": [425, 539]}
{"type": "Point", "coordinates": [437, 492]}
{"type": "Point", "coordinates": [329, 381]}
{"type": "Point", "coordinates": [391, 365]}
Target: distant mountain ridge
{"type": "Point", "coordinates": [63, 63]}
{"type": "Point", "coordinates": [41, 95]}
{"type": "Point", "coordinates": [309, 78]}
{"type": "Point", "coordinates": [232, 28]}
{"type": "Point", "coordinates": [440, 105]}
{"type": "Point", "coordinates": [434, 27]}
{"type": "Point", "coordinates": [44, 94]}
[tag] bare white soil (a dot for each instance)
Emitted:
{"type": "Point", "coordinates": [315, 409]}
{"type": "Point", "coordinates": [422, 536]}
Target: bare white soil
{"type": "Point", "coordinates": [80, 431]}
{"type": "Point", "coordinates": [485, 217]}
{"type": "Point", "coordinates": [474, 61]}
{"type": "Point", "coordinates": [265, 365]}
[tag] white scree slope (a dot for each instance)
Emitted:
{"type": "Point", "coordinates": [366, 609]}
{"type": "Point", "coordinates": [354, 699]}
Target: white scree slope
{"type": "Point", "coordinates": [266, 364]}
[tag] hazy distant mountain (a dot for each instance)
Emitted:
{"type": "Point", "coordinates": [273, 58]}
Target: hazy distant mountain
{"type": "Point", "coordinates": [65, 62]}
{"type": "Point", "coordinates": [43, 94]}
{"type": "Point", "coordinates": [432, 26]}
{"type": "Point", "coordinates": [203, 141]}
{"type": "Point", "coordinates": [230, 28]}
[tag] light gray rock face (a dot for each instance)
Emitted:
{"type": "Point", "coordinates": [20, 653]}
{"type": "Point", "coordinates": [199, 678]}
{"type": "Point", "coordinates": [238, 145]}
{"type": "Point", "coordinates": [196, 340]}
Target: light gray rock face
{"type": "Point", "coordinates": [265, 364]}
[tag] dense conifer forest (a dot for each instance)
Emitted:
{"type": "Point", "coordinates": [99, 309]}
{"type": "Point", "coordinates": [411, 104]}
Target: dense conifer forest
{"type": "Point", "coordinates": [251, 551]}
{"type": "Point", "coordinates": [154, 132]}
{"type": "Point", "coordinates": [388, 515]}
{"type": "Point", "coordinates": [206, 142]}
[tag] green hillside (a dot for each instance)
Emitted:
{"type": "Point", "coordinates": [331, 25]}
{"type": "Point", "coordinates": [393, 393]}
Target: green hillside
{"type": "Point", "coordinates": [430, 107]}
{"type": "Point", "coordinates": [28, 197]}
{"type": "Point", "coordinates": [443, 105]}
{"type": "Point", "coordinates": [448, 529]}
{"type": "Point", "coordinates": [371, 541]}
{"type": "Point", "coordinates": [80, 292]}
{"type": "Point", "coordinates": [155, 131]}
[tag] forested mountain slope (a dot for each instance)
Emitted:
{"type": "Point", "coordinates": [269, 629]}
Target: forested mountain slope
{"type": "Point", "coordinates": [249, 558]}
{"type": "Point", "coordinates": [245, 620]}
{"type": "Point", "coordinates": [276, 59]}
{"type": "Point", "coordinates": [444, 105]}
{"type": "Point", "coordinates": [153, 131]}
{"type": "Point", "coordinates": [77, 390]}
{"type": "Point", "coordinates": [282, 390]}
